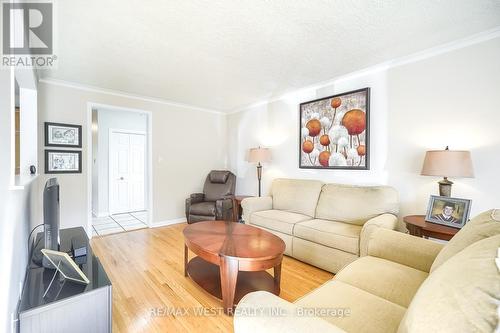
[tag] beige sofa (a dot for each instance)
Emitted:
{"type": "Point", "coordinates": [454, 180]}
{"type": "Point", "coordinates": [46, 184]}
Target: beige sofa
{"type": "Point", "coordinates": [325, 225]}
{"type": "Point", "coordinates": [405, 284]}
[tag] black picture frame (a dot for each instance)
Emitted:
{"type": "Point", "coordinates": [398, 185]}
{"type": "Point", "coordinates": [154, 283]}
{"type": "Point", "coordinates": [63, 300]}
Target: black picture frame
{"type": "Point", "coordinates": [366, 156]}
{"type": "Point", "coordinates": [461, 217]}
{"type": "Point", "coordinates": [77, 152]}
{"type": "Point", "coordinates": [48, 143]}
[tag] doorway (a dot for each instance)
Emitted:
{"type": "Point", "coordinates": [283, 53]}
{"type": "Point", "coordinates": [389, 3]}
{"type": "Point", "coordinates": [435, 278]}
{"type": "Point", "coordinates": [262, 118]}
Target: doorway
{"type": "Point", "coordinates": [120, 180]}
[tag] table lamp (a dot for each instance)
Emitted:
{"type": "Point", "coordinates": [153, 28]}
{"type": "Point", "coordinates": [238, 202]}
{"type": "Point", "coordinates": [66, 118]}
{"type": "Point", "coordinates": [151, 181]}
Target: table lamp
{"type": "Point", "coordinates": [447, 163]}
{"type": "Point", "coordinates": [258, 155]}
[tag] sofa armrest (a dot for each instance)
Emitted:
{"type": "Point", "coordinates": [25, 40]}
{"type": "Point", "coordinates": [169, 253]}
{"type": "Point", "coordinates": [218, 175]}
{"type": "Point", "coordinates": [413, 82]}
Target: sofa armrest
{"type": "Point", "coordinates": [255, 204]}
{"type": "Point", "coordinates": [404, 249]}
{"type": "Point", "coordinates": [387, 221]}
{"type": "Point", "coordinates": [264, 312]}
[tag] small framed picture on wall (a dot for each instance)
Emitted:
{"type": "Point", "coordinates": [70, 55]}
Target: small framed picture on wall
{"type": "Point", "coordinates": [63, 135]}
{"type": "Point", "coordinates": [63, 161]}
{"type": "Point", "coordinates": [453, 212]}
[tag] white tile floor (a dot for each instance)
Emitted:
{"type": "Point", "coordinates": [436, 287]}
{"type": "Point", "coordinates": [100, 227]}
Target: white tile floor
{"type": "Point", "coordinates": [119, 223]}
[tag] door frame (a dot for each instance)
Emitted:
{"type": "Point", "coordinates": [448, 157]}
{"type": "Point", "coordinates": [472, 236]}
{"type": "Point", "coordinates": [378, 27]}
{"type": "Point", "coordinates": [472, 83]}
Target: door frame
{"type": "Point", "coordinates": [149, 159]}
{"type": "Point", "coordinates": [126, 131]}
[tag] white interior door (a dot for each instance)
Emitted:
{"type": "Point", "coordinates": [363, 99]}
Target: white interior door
{"type": "Point", "coordinates": [127, 171]}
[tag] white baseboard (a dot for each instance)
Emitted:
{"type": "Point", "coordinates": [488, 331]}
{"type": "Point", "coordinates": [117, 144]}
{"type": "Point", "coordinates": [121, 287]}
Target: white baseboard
{"type": "Point", "coordinates": [168, 222]}
{"type": "Point", "coordinates": [100, 214]}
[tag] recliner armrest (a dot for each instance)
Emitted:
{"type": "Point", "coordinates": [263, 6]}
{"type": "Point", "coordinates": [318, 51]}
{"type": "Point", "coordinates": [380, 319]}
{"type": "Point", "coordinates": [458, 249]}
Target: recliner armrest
{"type": "Point", "coordinates": [262, 311]}
{"type": "Point", "coordinates": [224, 208]}
{"type": "Point", "coordinates": [404, 249]}
{"type": "Point", "coordinates": [255, 204]}
{"type": "Point", "coordinates": [193, 198]}
{"type": "Point", "coordinates": [387, 221]}
{"type": "Point", "coordinates": [197, 197]}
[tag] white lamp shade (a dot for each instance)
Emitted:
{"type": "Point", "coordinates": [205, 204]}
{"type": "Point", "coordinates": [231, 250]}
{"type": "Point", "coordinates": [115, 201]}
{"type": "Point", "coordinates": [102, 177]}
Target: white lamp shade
{"type": "Point", "coordinates": [448, 163]}
{"type": "Point", "coordinates": [259, 155]}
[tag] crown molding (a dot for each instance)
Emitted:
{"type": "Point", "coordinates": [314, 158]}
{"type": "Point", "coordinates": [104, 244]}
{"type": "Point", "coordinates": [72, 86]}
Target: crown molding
{"type": "Point", "coordinates": [118, 93]}
{"type": "Point", "coordinates": [414, 57]}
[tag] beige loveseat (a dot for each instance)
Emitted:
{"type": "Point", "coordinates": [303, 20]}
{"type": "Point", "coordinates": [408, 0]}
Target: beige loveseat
{"type": "Point", "coordinates": [326, 225]}
{"type": "Point", "coordinates": [405, 284]}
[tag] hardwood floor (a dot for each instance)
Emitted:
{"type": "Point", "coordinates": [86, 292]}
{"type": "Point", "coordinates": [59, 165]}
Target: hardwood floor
{"type": "Point", "coordinates": [151, 294]}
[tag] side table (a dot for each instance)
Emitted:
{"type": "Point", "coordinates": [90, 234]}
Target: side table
{"type": "Point", "coordinates": [418, 226]}
{"type": "Point", "coordinates": [237, 210]}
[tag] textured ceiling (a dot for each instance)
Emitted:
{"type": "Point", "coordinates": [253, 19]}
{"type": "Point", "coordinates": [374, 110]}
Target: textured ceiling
{"type": "Point", "coordinates": [224, 54]}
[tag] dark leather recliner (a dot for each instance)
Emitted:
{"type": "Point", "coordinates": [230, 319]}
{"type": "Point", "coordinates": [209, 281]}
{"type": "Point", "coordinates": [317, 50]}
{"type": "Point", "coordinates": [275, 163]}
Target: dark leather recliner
{"type": "Point", "coordinates": [216, 201]}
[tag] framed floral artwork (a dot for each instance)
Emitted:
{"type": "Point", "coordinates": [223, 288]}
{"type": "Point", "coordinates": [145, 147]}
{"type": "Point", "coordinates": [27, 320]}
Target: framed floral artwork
{"type": "Point", "coordinates": [335, 132]}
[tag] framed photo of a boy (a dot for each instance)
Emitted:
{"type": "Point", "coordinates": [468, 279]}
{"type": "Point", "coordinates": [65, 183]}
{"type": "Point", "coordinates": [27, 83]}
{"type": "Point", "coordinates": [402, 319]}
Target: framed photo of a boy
{"type": "Point", "coordinates": [453, 212]}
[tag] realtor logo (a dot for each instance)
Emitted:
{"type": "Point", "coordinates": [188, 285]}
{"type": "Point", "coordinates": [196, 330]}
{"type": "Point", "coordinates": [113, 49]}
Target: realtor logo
{"type": "Point", "coordinates": [27, 34]}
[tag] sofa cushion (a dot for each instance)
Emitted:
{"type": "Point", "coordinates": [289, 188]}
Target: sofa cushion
{"type": "Point", "coordinates": [288, 239]}
{"type": "Point", "coordinates": [356, 204]}
{"type": "Point", "coordinates": [392, 281]}
{"type": "Point", "coordinates": [206, 208]}
{"type": "Point", "coordinates": [277, 220]}
{"type": "Point", "coordinates": [482, 226]}
{"type": "Point", "coordinates": [296, 195]}
{"type": "Point", "coordinates": [367, 312]}
{"type": "Point", "coordinates": [333, 234]}
{"type": "Point", "coordinates": [324, 257]}
{"type": "Point", "coordinates": [462, 295]}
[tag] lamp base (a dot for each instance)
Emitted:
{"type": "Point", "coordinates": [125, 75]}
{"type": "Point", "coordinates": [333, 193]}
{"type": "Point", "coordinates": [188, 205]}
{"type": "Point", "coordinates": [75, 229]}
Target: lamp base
{"type": "Point", "coordinates": [445, 187]}
{"type": "Point", "coordinates": [259, 175]}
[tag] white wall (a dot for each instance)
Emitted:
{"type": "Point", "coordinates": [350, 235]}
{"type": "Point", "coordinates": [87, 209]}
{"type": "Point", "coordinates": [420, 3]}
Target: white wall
{"type": "Point", "coordinates": [410, 103]}
{"type": "Point", "coordinates": [275, 125]}
{"type": "Point", "coordinates": [449, 99]}
{"type": "Point", "coordinates": [17, 208]}
{"type": "Point", "coordinates": [187, 144]}
{"type": "Point", "coordinates": [27, 81]}
{"type": "Point", "coordinates": [29, 153]}
{"type": "Point", "coordinates": [116, 119]}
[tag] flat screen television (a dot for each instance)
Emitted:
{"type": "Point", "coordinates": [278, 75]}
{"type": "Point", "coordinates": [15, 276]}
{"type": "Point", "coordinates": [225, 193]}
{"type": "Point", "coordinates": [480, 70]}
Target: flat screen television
{"type": "Point", "coordinates": [51, 218]}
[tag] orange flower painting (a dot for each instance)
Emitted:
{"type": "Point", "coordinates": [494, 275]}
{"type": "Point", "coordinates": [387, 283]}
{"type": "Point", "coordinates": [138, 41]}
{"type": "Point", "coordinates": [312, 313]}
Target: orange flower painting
{"type": "Point", "coordinates": [334, 132]}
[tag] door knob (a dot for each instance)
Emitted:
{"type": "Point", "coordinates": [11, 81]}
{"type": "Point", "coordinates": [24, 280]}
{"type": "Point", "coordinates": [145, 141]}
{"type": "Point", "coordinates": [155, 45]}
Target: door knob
{"type": "Point", "coordinates": [121, 178]}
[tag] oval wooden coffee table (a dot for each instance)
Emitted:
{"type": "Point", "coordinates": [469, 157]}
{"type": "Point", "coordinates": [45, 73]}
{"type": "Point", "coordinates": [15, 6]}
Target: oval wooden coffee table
{"type": "Point", "coordinates": [232, 259]}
